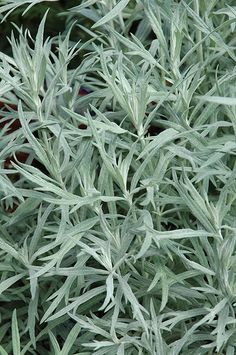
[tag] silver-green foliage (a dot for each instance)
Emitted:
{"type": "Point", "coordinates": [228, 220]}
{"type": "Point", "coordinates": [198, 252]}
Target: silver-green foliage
{"type": "Point", "coordinates": [120, 238]}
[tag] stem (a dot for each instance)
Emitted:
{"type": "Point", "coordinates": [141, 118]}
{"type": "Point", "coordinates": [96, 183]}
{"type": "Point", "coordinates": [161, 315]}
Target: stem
{"type": "Point", "coordinates": [198, 33]}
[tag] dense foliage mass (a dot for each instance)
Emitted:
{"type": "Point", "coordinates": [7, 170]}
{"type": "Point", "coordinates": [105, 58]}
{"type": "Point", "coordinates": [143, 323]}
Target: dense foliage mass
{"type": "Point", "coordinates": [117, 179]}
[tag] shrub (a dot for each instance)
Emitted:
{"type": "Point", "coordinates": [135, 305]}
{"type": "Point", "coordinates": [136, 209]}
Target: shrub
{"type": "Point", "coordinates": [117, 179]}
